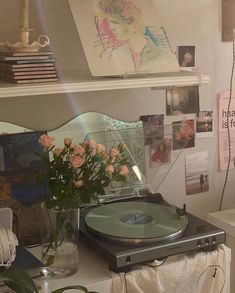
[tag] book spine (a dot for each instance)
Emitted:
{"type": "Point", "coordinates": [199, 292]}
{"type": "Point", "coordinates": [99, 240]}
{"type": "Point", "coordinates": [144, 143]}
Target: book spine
{"type": "Point", "coordinates": [31, 61]}
{"type": "Point", "coordinates": [4, 65]}
{"type": "Point", "coordinates": [26, 54]}
{"type": "Point", "coordinates": [28, 81]}
{"type": "Point", "coordinates": [7, 70]}
{"type": "Point", "coordinates": [29, 73]}
{"type": "Point", "coordinates": [19, 58]}
{"type": "Point", "coordinates": [35, 76]}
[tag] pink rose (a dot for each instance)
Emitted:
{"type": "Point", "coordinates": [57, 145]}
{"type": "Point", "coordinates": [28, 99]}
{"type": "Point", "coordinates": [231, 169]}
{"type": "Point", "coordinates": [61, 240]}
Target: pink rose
{"type": "Point", "coordinates": [91, 143]}
{"type": "Point", "coordinates": [100, 148]}
{"type": "Point", "coordinates": [46, 140]}
{"type": "Point", "coordinates": [109, 169]}
{"type": "Point", "coordinates": [93, 153]}
{"type": "Point", "coordinates": [79, 150]}
{"type": "Point", "coordinates": [57, 152]}
{"type": "Point", "coordinates": [72, 146]}
{"type": "Point", "coordinates": [79, 183]}
{"type": "Point", "coordinates": [76, 161]}
{"type": "Point", "coordinates": [114, 153]}
{"type": "Point", "coordinates": [67, 141]}
{"type": "Point", "coordinates": [124, 170]}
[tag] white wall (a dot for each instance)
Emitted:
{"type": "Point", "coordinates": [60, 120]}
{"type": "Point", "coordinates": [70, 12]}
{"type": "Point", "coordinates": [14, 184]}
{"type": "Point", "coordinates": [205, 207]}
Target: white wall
{"type": "Point", "coordinates": [187, 22]}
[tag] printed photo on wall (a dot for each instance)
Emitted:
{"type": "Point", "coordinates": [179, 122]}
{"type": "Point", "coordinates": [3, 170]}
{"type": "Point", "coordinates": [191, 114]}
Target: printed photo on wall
{"type": "Point", "coordinates": [204, 122]}
{"type": "Point", "coordinates": [184, 100]}
{"type": "Point", "coordinates": [183, 134]}
{"type": "Point", "coordinates": [197, 174]}
{"type": "Point", "coordinates": [123, 37]}
{"type": "Point", "coordinates": [153, 127]}
{"type": "Point", "coordinates": [186, 56]}
{"type": "Point", "coordinates": [160, 152]}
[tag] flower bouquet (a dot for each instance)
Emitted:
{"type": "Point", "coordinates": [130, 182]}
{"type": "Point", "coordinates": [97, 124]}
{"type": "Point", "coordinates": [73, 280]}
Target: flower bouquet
{"type": "Point", "coordinates": [77, 174]}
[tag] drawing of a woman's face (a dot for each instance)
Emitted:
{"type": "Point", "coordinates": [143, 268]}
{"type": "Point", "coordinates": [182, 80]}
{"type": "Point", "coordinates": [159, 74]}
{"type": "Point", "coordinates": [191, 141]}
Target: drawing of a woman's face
{"type": "Point", "coordinates": [123, 20]}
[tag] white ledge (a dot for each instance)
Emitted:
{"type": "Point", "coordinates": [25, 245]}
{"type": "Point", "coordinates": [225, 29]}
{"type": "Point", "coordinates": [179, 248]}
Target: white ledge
{"type": "Point", "coordinates": [78, 82]}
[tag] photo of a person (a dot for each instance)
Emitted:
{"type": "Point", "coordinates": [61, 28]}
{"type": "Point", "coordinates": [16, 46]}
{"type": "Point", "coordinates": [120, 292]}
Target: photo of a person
{"type": "Point", "coordinates": [160, 152]}
{"type": "Point", "coordinates": [196, 175]}
{"type": "Point", "coordinates": [153, 127]}
{"type": "Point", "coordinates": [186, 56]}
{"type": "Point", "coordinates": [183, 134]}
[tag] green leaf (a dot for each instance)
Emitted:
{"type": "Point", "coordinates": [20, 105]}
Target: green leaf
{"type": "Point", "coordinates": [50, 260]}
{"type": "Point", "coordinates": [18, 280]}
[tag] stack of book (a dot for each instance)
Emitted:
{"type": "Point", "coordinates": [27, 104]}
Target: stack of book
{"type": "Point", "coordinates": [27, 67]}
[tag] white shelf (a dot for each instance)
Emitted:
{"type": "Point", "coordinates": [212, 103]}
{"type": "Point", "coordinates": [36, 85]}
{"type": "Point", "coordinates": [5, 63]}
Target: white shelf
{"type": "Point", "coordinates": [77, 82]}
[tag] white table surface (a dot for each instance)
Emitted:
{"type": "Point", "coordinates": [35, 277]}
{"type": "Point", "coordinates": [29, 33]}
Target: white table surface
{"type": "Point", "coordinates": [224, 219]}
{"type": "Point", "coordinates": [93, 273]}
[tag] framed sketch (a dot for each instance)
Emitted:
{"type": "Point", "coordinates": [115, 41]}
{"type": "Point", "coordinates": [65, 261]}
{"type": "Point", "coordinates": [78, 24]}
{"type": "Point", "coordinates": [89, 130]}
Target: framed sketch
{"type": "Point", "coordinates": [122, 37]}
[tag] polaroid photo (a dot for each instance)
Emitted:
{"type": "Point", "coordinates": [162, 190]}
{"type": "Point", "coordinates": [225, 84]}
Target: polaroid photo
{"type": "Point", "coordinates": [160, 152]}
{"type": "Point", "coordinates": [183, 134]}
{"type": "Point", "coordinates": [204, 124]}
{"type": "Point", "coordinates": [197, 174]}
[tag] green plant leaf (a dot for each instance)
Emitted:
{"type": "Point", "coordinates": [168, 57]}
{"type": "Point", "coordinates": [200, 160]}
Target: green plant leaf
{"type": "Point", "coordinates": [18, 280]}
{"type": "Point", "coordinates": [50, 260]}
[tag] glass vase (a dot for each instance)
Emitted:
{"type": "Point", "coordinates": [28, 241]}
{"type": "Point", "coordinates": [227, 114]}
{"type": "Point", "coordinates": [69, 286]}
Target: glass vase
{"type": "Point", "coordinates": [59, 240]}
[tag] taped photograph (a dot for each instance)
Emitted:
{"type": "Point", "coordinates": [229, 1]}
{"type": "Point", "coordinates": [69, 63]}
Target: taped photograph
{"type": "Point", "coordinates": [184, 100]}
{"type": "Point", "coordinates": [153, 127]}
{"type": "Point", "coordinates": [183, 134]}
{"type": "Point", "coordinates": [186, 56]}
{"type": "Point", "coordinates": [197, 174]}
{"type": "Point", "coordinates": [160, 152]}
{"type": "Point", "coordinates": [204, 124]}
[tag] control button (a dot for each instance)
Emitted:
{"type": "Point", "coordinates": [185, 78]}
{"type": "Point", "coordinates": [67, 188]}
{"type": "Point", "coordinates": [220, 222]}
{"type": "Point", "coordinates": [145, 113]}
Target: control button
{"type": "Point", "coordinates": [199, 243]}
{"type": "Point", "coordinates": [207, 242]}
{"type": "Point", "coordinates": [128, 259]}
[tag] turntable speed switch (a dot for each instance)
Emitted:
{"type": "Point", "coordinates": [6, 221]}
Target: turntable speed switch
{"type": "Point", "coordinates": [199, 244]}
{"type": "Point", "coordinates": [128, 260]}
{"type": "Point", "coordinates": [207, 242]}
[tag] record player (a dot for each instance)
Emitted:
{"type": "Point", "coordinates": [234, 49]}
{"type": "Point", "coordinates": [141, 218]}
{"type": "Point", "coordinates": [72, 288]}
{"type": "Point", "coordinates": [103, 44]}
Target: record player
{"type": "Point", "coordinates": [133, 225]}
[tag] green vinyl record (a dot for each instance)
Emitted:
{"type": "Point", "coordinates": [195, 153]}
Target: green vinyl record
{"type": "Point", "coordinates": [135, 222]}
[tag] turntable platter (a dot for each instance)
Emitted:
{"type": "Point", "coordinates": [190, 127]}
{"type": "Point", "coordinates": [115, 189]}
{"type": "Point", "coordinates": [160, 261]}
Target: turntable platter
{"type": "Point", "coordinates": [135, 222]}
